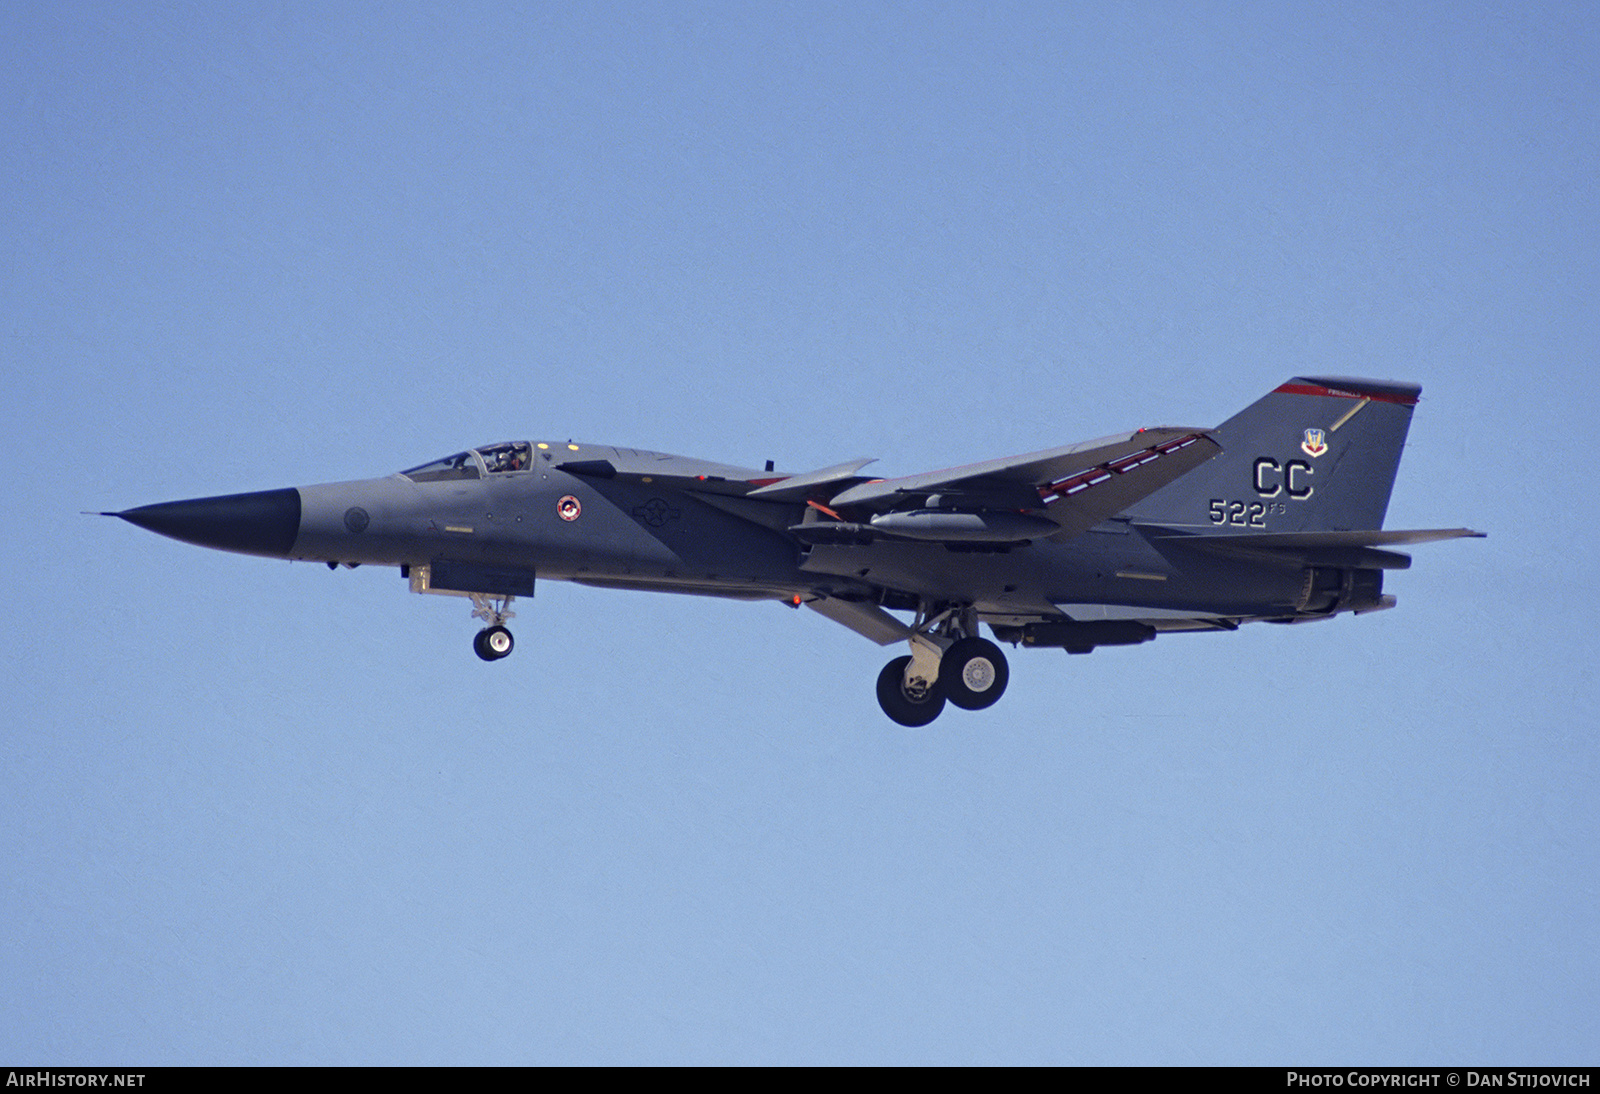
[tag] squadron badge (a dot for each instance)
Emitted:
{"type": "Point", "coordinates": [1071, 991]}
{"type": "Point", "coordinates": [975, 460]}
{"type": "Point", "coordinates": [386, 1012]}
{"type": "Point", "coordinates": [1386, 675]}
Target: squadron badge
{"type": "Point", "coordinates": [1315, 443]}
{"type": "Point", "coordinates": [568, 508]}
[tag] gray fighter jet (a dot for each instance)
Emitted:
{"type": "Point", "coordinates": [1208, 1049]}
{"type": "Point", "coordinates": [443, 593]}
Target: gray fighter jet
{"type": "Point", "coordinates": [1275, 515]}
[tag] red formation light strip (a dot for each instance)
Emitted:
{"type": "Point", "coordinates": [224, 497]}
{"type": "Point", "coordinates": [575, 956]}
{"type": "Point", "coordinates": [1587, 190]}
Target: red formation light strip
{"type": "Point", "coordinates": [1080, 482]}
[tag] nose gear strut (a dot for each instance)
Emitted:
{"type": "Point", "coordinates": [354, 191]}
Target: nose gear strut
{"type": "Point", "coordinates": [494, 641]}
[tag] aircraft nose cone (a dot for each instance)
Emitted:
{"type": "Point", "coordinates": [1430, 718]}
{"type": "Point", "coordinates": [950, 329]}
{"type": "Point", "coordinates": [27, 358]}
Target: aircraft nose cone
{"type": "Point", "coordinates": [265, 522]}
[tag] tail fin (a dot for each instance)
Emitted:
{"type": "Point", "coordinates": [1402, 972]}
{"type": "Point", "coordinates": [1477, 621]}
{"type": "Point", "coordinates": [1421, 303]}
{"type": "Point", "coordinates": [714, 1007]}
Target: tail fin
{"type": "Point", "coordinates": [1317, 454]}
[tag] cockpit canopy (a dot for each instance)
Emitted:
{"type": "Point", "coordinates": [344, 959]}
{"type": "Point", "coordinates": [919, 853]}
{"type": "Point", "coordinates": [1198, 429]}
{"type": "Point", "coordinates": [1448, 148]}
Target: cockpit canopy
{"type": "Point", "coordinates": [492, 459]}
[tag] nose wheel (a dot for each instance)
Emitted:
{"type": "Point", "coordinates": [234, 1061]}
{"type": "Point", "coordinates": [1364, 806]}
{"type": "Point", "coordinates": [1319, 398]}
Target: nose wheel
{"type": "Point", "coordinates": [493, 643]}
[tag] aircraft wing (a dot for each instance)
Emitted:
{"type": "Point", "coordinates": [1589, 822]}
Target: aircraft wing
{"type": "Point", "coordinates": [1078, 486]}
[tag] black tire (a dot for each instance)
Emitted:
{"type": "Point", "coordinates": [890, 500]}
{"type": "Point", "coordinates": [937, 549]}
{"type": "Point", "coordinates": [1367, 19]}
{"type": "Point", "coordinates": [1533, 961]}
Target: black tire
{"type": "Point", "coordinates": [497, 643]}
{"type": "Point", "coordinates": [902, 707]}
{"type": "Point", "coordinates": [974, 673]}
{"type": "Point", "coordinates": [479, 648]}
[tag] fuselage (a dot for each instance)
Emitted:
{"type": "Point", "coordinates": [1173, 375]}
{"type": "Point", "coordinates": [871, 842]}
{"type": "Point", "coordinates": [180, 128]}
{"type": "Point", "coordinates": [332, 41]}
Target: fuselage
{"type": "Point", "coordinates": [622, 517]}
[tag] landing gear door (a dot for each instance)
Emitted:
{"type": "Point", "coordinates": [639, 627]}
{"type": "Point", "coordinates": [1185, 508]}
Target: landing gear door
{"type": "Point", "coordinates": [450, 577]}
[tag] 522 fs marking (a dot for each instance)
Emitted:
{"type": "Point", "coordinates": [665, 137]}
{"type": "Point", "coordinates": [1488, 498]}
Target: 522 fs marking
{"type": "Point", "coordinates": [1276, 515]}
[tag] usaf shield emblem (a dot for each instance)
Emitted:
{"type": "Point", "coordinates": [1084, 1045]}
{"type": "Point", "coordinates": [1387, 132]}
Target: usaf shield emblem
{"type": "Point", "coordinates": [1314, 444]}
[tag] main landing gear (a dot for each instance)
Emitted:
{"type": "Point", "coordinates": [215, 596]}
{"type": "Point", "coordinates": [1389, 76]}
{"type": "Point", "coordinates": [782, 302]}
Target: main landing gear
{"type": "Point", "coordinates": [948, 662]}
{"type": "Point", "coordinates": [494, 641]}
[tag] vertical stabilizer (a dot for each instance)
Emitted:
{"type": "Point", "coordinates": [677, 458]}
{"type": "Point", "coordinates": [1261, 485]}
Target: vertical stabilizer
{"type": "Point", "coordinates": [1316, 454]}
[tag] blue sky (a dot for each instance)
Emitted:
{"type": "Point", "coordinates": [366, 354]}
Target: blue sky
{"type": "Point", "coordinates": [255, 812]}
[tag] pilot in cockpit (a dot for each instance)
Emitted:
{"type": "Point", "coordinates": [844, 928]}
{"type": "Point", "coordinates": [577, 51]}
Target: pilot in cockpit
{"type": "Point", "coordinates": [505, 457]}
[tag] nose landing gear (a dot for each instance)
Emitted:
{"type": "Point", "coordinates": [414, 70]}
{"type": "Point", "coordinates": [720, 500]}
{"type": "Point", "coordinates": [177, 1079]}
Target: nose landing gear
{"type": "Point", "coordinates": [493, 607]}
{"type": "Point", "coordinates": [494, 641]}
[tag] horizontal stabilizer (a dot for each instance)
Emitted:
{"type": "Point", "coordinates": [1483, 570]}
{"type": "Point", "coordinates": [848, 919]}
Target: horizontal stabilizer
{"type": "Point", "coordinates": [1351, 550]}
{"type": "Point", "coordinates": [1372, 538]}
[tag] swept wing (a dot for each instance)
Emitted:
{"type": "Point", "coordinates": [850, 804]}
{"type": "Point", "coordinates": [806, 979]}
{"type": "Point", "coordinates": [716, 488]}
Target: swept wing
{"type": "Point", "coordinates": [1075, 487]}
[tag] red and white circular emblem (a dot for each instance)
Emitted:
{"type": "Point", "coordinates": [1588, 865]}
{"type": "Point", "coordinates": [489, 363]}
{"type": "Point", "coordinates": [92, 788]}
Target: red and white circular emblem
{"type": "Point", "coordinates": [568, 508]}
